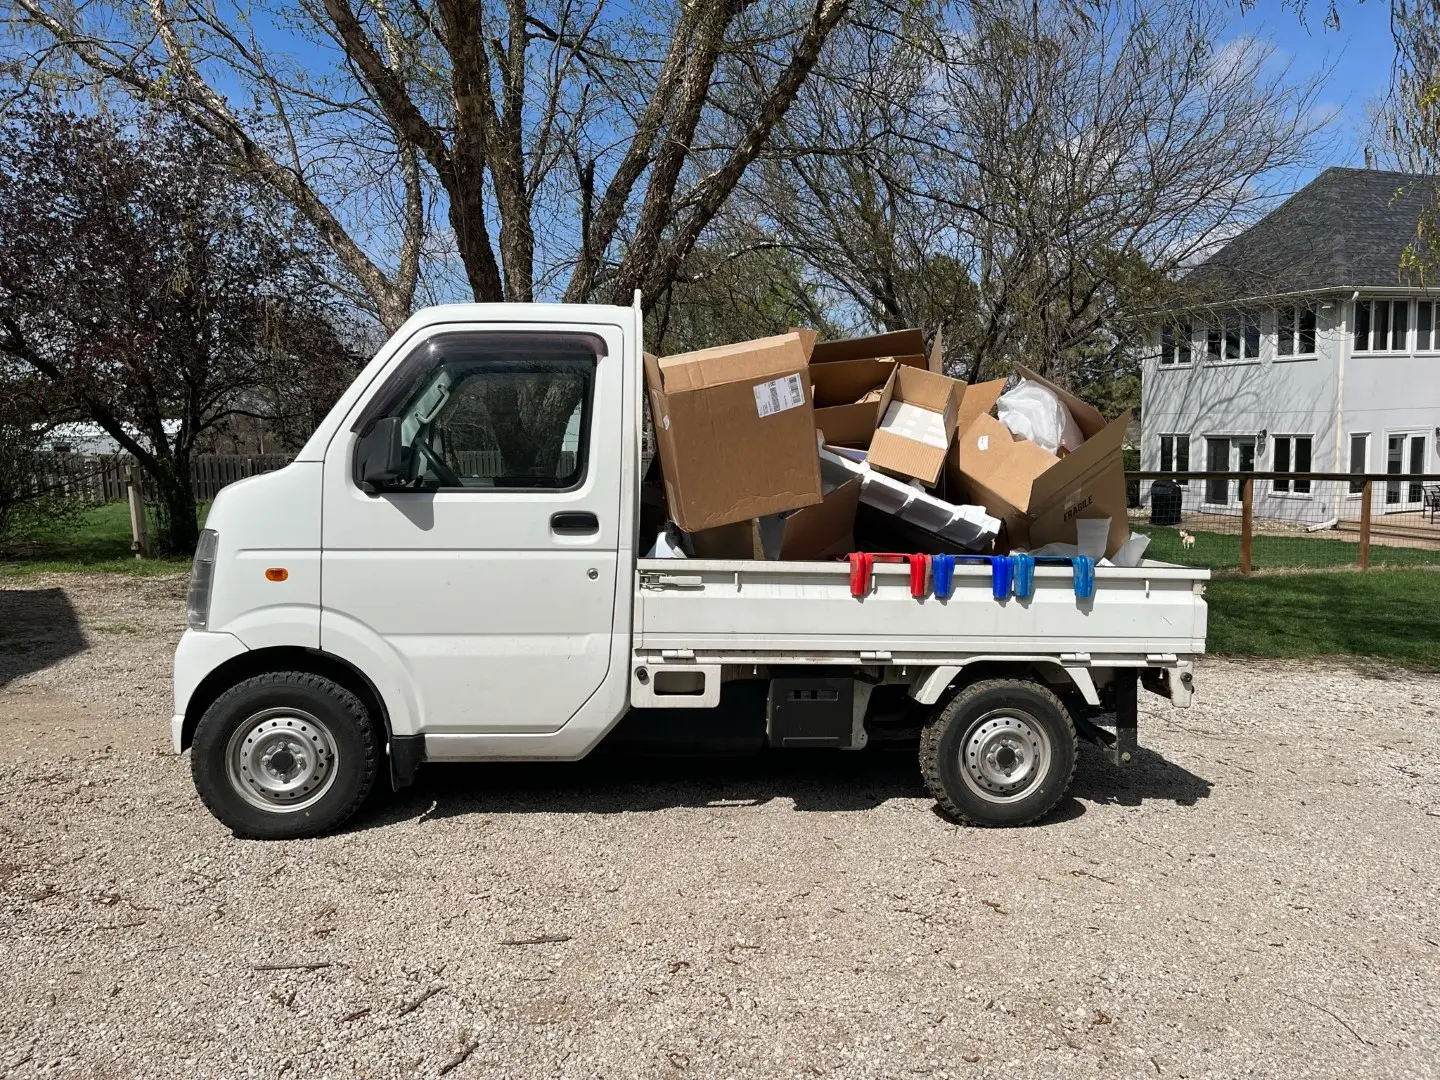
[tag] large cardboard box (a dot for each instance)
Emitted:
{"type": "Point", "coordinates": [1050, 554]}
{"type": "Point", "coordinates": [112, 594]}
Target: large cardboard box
{"type": "Point", "coordinates": [1038, 495]}
{"type": "Point", "coordinates": [854, 379]}
{"type": "Point", "coordinates": [917, 426]}
{"type": "Point", "coordinates": [735, 429]}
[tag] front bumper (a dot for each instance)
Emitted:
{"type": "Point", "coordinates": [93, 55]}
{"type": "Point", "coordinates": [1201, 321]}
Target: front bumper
{"type": "Point", "coordinates": [199, 653]}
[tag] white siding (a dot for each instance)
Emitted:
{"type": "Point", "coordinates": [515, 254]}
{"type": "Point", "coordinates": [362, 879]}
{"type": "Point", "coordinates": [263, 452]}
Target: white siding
{"type": "Point", "coordinates": [1382, 395]}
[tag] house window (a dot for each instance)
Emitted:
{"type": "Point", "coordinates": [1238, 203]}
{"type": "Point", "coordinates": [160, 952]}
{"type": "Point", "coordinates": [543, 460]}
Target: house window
{"type": "Point", "coordinates": [1233, 339]}
{"type": "Point", "coordinates": [1175, 454]}
{"type": "Point", "coordinates": [1292, 455]}
{"type": "Point", "coordinates": [1295, 331]}
{"type": "Point", "coordinates": [1425, 326]}
{"type": "Point", "coordinates": [1381, 325]}
{"type": "Point", "coordinates": [1359, 459]}
{"type": "Point", "coordinates": [1175, 344]}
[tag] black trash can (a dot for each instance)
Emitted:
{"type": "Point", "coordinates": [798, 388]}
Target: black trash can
{"type": "Point", "coordinates": [1164, 503]}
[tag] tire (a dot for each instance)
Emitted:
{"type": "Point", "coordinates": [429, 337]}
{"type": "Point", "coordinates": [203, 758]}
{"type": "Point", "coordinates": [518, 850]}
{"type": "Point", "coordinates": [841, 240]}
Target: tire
{"type": "Point", "coordinates": [1000, 752]}
{"type": "Point", "coordinates": [284, 755]}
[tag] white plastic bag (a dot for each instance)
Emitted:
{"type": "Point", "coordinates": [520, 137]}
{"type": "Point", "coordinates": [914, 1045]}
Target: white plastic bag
{"type": "Point", "coordinates": [1133, 550]}
{"type": "Point", "coordinates": [1033, 412]}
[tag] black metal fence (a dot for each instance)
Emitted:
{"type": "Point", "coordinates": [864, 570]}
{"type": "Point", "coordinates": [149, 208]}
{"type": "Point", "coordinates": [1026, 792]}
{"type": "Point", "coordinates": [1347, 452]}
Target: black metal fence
{"type": "Point", "coordinates": [1255, 521]}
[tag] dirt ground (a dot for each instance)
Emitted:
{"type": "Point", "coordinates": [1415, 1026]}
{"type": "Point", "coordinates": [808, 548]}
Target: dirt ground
{"type": "Point", "coordinates": [1258, 896]}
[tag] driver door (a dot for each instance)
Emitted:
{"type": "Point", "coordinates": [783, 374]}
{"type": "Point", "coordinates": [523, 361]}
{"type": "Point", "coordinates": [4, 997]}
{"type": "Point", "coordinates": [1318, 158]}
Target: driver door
{"type": "Point", "coordinates": [488, 572]}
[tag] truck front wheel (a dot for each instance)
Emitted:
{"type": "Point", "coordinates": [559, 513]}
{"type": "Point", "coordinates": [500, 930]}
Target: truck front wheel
{"type": "Point", "coordinates": [1000, 752]}
{"type": "Point", "coordinates": [284, 755]}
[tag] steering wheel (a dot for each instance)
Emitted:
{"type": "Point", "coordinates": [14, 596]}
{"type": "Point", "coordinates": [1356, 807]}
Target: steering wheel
{"type": "Point", "coordinates": [447, 476]}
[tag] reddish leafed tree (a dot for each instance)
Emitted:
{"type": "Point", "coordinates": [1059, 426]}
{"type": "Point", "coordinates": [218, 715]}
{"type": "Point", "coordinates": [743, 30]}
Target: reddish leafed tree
{"type": "Point", "coordinates": [147, 288]}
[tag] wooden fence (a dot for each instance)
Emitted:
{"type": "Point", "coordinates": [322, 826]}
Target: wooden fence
{"type": "Point", "coordinates": [101, 477]}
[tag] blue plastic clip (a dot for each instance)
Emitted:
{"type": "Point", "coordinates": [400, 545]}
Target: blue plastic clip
{"type": "Point", "coordinates": [942, 573]}
{"type": "Point", "coordinates": [1082, 569]}
{"type": "Point", "coordinates": [1022, 575]}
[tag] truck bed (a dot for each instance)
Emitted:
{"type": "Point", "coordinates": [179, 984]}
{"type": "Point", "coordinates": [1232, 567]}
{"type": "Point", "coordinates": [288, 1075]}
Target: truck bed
{"type": "Point", "coordinates": [736, 611]}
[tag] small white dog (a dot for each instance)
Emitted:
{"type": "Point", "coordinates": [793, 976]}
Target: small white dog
{"type": "Point", "coordinates": [1187, 540]}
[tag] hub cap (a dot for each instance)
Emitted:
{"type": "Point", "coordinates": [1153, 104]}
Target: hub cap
{"type": "Point", "coordinates": [281, 760]}
{"type": "Point", "coordinates": [1003, 756]}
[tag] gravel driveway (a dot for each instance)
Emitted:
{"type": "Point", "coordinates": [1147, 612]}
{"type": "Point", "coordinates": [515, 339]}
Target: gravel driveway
{"type": "Point", "coordinates": [1259, 896]}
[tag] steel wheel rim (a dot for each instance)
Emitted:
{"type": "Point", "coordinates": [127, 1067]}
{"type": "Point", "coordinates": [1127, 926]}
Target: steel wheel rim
{"type": "Point", "coordinates": [281, 760]}
{"type": "Point", "coordinates": [1004, 755]}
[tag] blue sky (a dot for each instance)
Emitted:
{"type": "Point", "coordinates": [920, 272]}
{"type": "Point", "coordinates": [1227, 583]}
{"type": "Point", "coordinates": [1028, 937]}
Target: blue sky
{"type": "Point", "coordinates": [1356, 62]}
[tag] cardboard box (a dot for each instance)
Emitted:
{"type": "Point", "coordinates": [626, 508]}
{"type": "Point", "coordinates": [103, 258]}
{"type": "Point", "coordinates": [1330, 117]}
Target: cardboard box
{"type": "Point", "coordinates": [823, 531]}
{"type": "Point", "coordinates": [853, 381]}
{"type": "Point", "coordinates": [977, 400]}
{"type": "Point", "coordinates": [735, 430]}
{"type": "Point", "coordinates": [917, 425]}
{"type": "Point", "coordinates": [1038, 495]}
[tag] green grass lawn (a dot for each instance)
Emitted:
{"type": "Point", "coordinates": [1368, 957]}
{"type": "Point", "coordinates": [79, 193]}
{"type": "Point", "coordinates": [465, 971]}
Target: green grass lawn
{"type": "Point", "coordinates": [1221, 551]}
{"type": "Point", "coordinates": [1390, 615]}
{"type": "Point", "coordinates": [99, 539]}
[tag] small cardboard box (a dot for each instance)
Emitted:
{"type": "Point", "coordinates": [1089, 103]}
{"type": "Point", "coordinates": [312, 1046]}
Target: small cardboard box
{"type": "Point", "coordinates": [853, 381]}
{"type": "Point", "coordinates": [1037, 495]}
{"type": "Point", "coordinates": [735, 430]}
{"type": "Point", "coordinates": [822, 531]}
{"type": "Point", "coordinates": [917, 425]}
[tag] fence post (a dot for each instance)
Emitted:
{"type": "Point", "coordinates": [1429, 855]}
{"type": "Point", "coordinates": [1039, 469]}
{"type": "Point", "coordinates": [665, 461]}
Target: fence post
{"type": "Point", "coordinates": [1365, 526]}
{"type": "Point", "coordinates": [1247, 491]}
{"type": "Point", "coordinates": [139, 527]}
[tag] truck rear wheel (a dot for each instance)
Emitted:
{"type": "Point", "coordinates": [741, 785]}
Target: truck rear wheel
{"type": "Point", "coordinates": [284, 755]}
{"type": "Point", "coordinates": [1000, 752]}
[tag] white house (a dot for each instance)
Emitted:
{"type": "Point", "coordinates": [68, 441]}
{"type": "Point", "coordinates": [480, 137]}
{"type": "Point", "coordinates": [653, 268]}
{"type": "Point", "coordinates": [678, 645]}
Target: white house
{"type": "Point", "coordinates": [83, 437]}
{"type": "Point", "coordinates": [1312, 352]}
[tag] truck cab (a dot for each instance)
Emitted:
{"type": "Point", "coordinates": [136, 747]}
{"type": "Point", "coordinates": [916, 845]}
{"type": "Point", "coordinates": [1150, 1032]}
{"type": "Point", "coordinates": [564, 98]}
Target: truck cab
{"type": "Point", "coordinates": [450, 570]}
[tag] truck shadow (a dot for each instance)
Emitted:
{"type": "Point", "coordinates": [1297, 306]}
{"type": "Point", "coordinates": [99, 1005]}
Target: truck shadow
{"type": "Point", "coordinates": [1148, 778]}
{"type": "Point", "coordinates": [821, 780]}
{"type": "Point", "coordinates": [38, 628]}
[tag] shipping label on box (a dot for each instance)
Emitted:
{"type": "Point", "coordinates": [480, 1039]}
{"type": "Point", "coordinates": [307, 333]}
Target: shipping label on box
{"type": "Point", "coordinates": [777, 395]}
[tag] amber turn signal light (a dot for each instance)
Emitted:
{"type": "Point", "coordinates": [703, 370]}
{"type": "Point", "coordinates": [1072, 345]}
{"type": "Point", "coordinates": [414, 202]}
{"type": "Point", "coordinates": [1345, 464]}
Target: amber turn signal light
{"type": "Point", "coordinates": [276, 573]}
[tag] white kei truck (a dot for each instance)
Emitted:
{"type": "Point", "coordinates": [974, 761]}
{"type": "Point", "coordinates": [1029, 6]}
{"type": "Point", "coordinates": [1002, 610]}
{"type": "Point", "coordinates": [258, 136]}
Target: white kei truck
{"type": "Point", "coordinates": [450, 571]}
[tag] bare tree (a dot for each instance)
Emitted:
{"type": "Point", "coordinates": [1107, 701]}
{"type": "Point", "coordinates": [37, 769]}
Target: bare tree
{"type": "Point", "coordinates": [568, 145]}
{"type": "Point", "coordinates": [1409, 122]}
{"type": "Point", "coordinates": [1034, 177]}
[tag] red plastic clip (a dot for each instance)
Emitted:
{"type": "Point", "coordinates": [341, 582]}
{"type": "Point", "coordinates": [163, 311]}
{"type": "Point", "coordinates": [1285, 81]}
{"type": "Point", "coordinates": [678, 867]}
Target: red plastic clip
{"type": "Point", "coordinates": [862, 565]}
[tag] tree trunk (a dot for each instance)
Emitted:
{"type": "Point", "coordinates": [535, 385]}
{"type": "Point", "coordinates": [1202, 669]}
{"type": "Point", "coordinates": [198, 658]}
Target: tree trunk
{"type": "Point", "coordinates": [179, 531]}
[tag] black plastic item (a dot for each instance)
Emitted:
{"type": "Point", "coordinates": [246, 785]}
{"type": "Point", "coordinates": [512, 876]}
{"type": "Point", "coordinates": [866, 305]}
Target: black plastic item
{"type": "Point", "coordinates": [380, 456]}
{"type": "Point", "coordinates": [1165, 503]}
{"type": "Point", "coordinates": [407, 753]}
{"type": "Point", "coordinates": [574, 523]}
{"type": "Point", "coordinates": [806, 712]}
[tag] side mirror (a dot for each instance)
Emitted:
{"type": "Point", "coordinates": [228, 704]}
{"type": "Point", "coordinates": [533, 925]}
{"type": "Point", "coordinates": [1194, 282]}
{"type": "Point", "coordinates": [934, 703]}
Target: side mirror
{"type": "Point", "coordinates": [380, 456]}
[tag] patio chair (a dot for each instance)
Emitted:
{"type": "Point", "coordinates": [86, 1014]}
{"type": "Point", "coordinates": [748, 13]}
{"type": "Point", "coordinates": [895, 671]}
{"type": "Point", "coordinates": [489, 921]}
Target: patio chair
{"type": "Point", "coordinates": [1432, 500]}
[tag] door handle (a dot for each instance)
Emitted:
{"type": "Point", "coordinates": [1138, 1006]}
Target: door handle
{"type": "Point", "coordinates": [574, 523]}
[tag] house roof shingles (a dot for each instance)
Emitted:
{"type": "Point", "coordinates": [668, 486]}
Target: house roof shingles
{"type": "Point", "coordinates": [1347, 228]}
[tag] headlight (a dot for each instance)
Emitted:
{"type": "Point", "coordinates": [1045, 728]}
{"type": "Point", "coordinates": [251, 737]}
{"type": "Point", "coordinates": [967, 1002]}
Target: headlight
{"type": "Point", "coordinates": [202, 578]}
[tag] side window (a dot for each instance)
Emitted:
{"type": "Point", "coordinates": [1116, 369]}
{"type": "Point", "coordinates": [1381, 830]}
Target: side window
{"type": "Point", "coordinates": [495, 410]}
